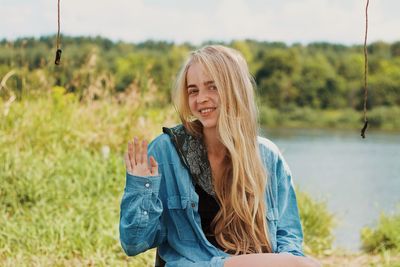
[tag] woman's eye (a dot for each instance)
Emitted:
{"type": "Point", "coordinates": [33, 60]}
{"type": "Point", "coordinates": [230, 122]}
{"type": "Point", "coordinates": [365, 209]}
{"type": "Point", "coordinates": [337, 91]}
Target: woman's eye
{"type": "Point", "coordinates": [192, 91]}
{"type": "Point", "coordinates": [213, 87]}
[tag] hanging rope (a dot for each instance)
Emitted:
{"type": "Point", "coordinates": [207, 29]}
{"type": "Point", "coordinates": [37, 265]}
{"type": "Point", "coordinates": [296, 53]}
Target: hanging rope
{"type": "Point", "coordinates": [58, 53]}
{"type": "Point", "coordinates": [365, 73]}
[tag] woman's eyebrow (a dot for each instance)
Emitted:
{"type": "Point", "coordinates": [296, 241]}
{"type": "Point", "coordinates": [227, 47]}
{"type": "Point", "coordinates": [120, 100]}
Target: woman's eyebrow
{"type": "Point", "coordinates": [191, 86]}
{"type": "Point", "coordinates": [205, 83]}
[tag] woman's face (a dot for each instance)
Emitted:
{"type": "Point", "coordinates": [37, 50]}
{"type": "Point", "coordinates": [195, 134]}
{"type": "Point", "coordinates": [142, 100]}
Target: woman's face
{"type": "Point", "coordinates": [203, 96]}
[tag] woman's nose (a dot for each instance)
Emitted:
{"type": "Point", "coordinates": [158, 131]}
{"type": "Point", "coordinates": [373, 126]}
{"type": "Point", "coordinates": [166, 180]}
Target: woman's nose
{"type": "Point", "coordinates": [202, 96]}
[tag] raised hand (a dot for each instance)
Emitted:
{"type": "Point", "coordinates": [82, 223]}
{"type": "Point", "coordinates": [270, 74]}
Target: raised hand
{"type": "Point", "coordinates": [136, 159]}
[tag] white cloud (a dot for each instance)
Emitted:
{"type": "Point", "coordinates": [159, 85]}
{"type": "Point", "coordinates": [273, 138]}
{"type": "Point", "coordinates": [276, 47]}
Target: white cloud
{"type": "Point", "coordinates": [184, 20]}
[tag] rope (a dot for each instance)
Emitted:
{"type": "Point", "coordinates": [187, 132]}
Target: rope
{"type": "Point", "coordinates": [365, 73]}
{"type": "Point", "coordinates": [59, 51]}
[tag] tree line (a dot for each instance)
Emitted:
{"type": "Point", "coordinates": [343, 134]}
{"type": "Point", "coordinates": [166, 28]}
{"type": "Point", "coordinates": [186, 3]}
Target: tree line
{"type": "Point", "coordinates": [317, 75]}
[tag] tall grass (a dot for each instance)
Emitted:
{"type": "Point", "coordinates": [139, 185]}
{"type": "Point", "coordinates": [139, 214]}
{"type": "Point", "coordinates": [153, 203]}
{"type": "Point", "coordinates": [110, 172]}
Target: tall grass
{"type": "Point", "coordinates": [384, 237]}
{"type": "Point", "coordinates": [62, 177]}
{"type": "Point", "coordinates": [318, 224]}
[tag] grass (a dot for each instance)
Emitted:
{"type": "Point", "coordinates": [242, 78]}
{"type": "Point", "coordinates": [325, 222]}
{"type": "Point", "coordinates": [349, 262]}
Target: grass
{"type": "Point", "coordinates": [384, 237]}
{"type": "Point", "coordinates": [344, 258]}
{"type": "Point", "coordinates": [317, 223]}
{"type": "Point", "coordinates": [62, 177]}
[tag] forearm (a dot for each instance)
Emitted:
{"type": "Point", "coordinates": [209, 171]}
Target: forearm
{"type": "Point", "coordinates": [270, 260]}
{"type": "Point", "coordinates": [141, 209]}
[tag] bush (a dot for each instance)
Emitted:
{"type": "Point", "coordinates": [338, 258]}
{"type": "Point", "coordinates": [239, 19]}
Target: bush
{"type": "Point", "coordinates": [268, 116]}
{"type": "Point", "coordinates": [317, 224]}
{"type": "Point", "coordinates": [387, 118]}
{"type": "Point", "coordinates": [386, 235]}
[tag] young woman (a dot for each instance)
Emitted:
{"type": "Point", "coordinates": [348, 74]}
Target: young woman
{"type": "Point", "coordinates": [210, 192]}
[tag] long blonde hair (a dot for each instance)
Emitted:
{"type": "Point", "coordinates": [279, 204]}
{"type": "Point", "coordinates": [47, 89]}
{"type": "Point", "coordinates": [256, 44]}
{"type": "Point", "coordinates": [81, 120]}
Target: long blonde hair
{"type": "Point", "coordinates": [240, 225]}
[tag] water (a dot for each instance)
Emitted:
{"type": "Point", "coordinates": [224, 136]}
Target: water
{"type": "Point", "coordinates": [358, 178]}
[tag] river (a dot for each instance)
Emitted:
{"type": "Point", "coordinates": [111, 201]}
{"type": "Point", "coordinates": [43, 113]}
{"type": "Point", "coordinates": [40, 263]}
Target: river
{"type": "Point", "coordinates": [358, 178]}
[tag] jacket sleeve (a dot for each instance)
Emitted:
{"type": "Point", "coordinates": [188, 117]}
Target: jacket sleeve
{"type": "Point", "coordinates": [141, 225]}
{"type": "Point", "coordinates": [289, 231]}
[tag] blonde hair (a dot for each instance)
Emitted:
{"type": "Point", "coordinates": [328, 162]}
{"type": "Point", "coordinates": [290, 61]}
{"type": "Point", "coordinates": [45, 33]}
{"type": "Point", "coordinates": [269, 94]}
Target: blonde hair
{"type": "Point", "coordinates": [240, 225]}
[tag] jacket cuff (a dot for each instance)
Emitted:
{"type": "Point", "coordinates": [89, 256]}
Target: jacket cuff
{"type": "Point", "coordinates": [143, 183]}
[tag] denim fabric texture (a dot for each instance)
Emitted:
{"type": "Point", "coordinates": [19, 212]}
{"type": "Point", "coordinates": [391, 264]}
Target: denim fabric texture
{"type": "Point", "coordinates": [162, 211]}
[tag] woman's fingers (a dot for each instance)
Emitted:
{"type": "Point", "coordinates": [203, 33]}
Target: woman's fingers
{"type": "Point", "coordinates": [137, 150]}
{"type": "Point", "coordinates": [153, 166]}
{"type": "Point", "coordinates": [143, 157]}
{"type": "Point", "coordinates": [128, 163]}
{"type": "Point", "coordinates": [131, 155]}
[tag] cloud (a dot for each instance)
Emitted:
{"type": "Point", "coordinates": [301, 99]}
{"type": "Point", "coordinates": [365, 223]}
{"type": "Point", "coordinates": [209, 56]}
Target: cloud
{"type": "Point", "coordinates": [184, 20]}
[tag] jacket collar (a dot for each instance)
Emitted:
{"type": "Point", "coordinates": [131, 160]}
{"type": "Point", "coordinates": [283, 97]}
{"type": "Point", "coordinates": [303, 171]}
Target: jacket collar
{"type": "Point", "coordinates": [193, 154]}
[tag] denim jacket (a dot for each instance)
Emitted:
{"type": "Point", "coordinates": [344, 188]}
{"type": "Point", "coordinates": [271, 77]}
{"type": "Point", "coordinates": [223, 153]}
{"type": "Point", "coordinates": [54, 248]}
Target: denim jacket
{"type": "Point", "coordinates": [162, 211]}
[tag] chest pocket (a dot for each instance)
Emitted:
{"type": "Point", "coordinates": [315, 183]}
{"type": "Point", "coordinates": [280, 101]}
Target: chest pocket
{"type": "Point", "coordinates": [180, 210]}
{"type": "Point", "coordinates": [272, 220]}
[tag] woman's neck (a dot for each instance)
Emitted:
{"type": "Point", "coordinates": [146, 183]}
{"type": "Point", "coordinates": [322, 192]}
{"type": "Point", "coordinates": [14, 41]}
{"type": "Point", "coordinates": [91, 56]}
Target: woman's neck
{"type": "Point", "coordinates": [213, 143]}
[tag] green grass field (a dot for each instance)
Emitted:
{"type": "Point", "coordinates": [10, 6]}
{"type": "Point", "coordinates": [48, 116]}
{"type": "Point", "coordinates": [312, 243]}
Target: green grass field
{"type": "Point", "coordinates": [62, 177]}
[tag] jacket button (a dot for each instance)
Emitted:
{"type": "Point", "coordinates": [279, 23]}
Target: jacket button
{"type": "Point", "coordinates": [193, 205]}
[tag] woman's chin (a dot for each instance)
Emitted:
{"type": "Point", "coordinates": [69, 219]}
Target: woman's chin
{"type": "Point", "coordinates": [208, 124]}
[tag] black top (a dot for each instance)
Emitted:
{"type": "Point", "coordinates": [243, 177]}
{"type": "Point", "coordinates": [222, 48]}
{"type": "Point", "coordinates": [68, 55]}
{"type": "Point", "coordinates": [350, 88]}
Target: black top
{"type": "Point", "coordinates": [208, 208]}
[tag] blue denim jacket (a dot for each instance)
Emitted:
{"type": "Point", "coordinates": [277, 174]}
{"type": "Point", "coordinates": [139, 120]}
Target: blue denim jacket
{"type": "Point", "coordinates": [161, 211]}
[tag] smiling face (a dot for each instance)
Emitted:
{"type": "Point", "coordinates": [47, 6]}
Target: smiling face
{"type": "Point", "coordinates": [203, 96]}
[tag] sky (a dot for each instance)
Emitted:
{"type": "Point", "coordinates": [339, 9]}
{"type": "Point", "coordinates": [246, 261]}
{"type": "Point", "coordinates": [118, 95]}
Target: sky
{"type": "Point", "coordinates": [196, 21]}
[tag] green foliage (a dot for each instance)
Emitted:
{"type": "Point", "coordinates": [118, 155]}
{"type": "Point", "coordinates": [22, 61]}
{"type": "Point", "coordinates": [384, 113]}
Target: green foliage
{"type": "Point", "coordinates": [92, 68]}
{"type": "Point", "coordinates": [62, 177]}
{"type": "Point", "coordinates": [384, 237]}
{"type": "Point", "coordinates": [295, 117]}
{"type": "Point", "coordinates": [384, 84]}
{"type": "Point", "coordinates": [268, 116]}
{"type": "Point", "coordinates": [321, 76]}
{"type": "Point", "coordinates": [387, 118]}
{"type": "Point", "coordinates": [317, 223]}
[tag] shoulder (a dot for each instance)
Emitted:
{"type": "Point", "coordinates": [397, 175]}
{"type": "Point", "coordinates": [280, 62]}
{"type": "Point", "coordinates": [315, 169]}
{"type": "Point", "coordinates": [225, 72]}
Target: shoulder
{"type": "Point", "coordinates": [272, 158]}
{"type": "Point", "coordinates": [268, 149]}
{"type": "Point", "coordinates": [159, 144]}
{"type": "Point", "coordinates": [161, 140]}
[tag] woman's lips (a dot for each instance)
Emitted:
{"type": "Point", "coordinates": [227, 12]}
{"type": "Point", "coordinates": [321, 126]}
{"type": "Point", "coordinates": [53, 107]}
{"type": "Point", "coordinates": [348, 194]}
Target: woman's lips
{"type": "Point", "coordinates": [206, 111]}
